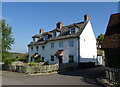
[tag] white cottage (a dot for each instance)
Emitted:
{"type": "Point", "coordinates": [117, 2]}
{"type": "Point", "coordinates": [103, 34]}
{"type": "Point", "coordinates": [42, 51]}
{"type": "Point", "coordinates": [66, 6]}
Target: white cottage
{"type": "Point", "coordinates": [64, 44]}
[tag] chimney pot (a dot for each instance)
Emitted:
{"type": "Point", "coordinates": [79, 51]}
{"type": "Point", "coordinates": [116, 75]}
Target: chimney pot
{"type": "Point", "coordinates": [59, 25]}
{"type": "Point", "coordinates": [86, 17]}
{"type": "Point", "coordinates": [41, 31]}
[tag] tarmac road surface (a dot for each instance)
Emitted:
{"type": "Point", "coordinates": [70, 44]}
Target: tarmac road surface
{"type": "Point", "coordinates": [75, 77]}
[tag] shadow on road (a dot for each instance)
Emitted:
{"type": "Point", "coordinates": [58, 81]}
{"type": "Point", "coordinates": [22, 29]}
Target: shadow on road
{"type": "Point", "coordinates": [89, 75]}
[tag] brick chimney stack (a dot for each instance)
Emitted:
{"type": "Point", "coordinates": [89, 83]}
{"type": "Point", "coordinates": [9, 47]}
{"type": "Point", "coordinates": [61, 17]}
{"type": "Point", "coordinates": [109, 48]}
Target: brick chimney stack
{"type": "Point", "coordinates": [59, 25]}
{"type": "Point", "coordinates": [41, 31]}
{"type": "Point", "coordinates": [86, 17]}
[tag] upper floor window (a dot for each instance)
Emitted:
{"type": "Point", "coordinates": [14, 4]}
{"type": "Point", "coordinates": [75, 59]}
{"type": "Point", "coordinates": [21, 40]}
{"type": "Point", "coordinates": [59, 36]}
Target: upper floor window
{"type": "Point", "coordinates": [52, 45]}
{"type": "Point", "coordinates": [52, 58]}
{"type": "Point", "coordinates": [43, 47]}
{"type": "Point", "coordinates": [46, 37]}
{"type": "Point", "coordinates": [37, 48]}
{"type": "Point", "coordinates": [31, 48]}
{"type": "Point", "coordinates": [71, 43]}
{"type": "Point", "coordinates": [61, 44]}
{"type": "Point", "coordinates": [72, 30]}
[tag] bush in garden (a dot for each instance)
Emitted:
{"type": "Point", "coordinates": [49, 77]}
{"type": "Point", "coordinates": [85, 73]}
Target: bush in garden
{"type": "Point", "coordinates": [38, 60]}
{"type": "Point", "coordinates": [32, 64]}
{"type": "Point", "coordinates": [46, 63]}
{"type": "Point", "coordinates": [8, 61]}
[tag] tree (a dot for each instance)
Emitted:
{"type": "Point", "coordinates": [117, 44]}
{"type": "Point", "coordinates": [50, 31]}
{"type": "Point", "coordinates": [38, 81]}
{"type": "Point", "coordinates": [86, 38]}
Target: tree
{"type": "Point", "coordinates": [7, 39]}
{"type": "Point", "coordinates": [100, 39]}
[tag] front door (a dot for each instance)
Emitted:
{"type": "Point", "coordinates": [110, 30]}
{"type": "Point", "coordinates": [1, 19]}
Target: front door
{"type": "Point", "coordinates": [31, 59]}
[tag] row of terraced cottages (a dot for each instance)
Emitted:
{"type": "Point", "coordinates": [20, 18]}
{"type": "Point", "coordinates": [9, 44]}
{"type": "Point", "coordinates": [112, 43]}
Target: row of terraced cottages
{"type": "Point", "coordinates": [65, 44]}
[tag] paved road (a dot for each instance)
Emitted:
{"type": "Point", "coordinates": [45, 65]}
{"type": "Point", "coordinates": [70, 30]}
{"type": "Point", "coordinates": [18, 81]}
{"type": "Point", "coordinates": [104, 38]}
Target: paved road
{"type": "Point", "coordinates": [76, 77]}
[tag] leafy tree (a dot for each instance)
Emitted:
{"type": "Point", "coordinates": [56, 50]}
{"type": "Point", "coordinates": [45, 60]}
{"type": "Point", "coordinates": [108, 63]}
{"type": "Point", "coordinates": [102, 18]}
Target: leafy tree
{"type": "Point", "coordinates": [100, 39]}
{"type": "Point", "coordinates": [7, 39]}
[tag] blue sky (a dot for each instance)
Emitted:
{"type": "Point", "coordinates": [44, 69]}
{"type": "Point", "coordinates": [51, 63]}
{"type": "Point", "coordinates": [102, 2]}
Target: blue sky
{"type": "Point", "coordinates": [26, 18]}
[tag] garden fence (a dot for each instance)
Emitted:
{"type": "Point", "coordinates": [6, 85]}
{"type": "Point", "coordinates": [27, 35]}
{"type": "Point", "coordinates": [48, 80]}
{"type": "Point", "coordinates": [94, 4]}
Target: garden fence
{"type": "Point", "coordinates": [113, 75]}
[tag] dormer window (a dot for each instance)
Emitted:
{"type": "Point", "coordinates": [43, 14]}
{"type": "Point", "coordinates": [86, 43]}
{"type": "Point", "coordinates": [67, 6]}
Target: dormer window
{"type": "Point", "coordinates": [72, 30]}
{"type": "Point", "coordinates": [46, 37]}
{"type": "Point", "coordinates": [35, 39]}
{"type": "Point", "coordinates": [54, 34]}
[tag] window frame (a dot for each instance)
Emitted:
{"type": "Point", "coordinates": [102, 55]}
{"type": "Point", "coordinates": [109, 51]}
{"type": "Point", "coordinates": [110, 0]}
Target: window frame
{"type": "Point", "coordinates": [71, 43]}
{"type": "Point", "coordinates": [52, 44]}
{"type": "Point", "coordinates": [37, 48]}
{"type": "Point", "coordinates": [31, 48]}
{"type": "Point", "coordinates": [52, 57]}
{"type": "Point", "coordinates": [54, 34]}
{"type": "Point", "coordinates": [43, 59]}
{"type": "Point", "coordinates": [71, 60]}
{"type": "Point", "coordinates": [72, 31]}
{"type": "Point", "coordinates": [43, 47]}
{"type": "Point", "coordinates": [45, 37]}
{"type": "Point", "coordinates": [61, 44]}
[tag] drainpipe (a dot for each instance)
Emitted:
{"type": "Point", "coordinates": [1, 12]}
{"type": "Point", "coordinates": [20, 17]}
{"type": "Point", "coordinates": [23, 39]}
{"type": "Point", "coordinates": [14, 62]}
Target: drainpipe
{"type": "Point", "coordinates": [78, 49]}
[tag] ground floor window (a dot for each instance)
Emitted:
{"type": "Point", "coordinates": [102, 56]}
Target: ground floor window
{"type": "Point", "coordinates": [43, 59]}
{"type": "Point", "coordinates": [71, 58]}
{"type": "Point", "coordinates": [52, 58]}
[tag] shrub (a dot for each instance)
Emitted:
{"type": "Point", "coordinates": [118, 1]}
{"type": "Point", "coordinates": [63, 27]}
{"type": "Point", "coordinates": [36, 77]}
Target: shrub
{"type": "Point", "coordinates": [31, 64]}
{"type": "Point", "coordinates": [22, 59]}
{"type": "Point", "coordinates": [8, 61]}
{"type": "Point", "coordinates": [46, 63]}
{"type": "Point", "coordinates": [38, 60]}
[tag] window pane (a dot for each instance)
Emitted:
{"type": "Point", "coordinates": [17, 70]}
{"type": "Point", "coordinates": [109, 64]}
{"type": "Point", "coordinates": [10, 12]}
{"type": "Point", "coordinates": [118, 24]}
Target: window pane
{"type": "Point", "coordinates": [43, 47]}
{"type": "Point", "coordinates": [37, 48]}
{"type": "Point", "coordinates": [61, 44]}
{"type": "Point", "coordinates": [52, 58]}
{"type": "Point", "coordinates": [54, 34]}
{"type": "Point", "coordinates": [52, 45]}
{"type": "Point", "coordinates": [71, 58]}
{"type": "Point", "coordinates": [72, 30]}
{"type": "Point", "coordinates": [43, 59]}
{"type": "Point", "coordinates": [71, 43]}
{"type": "Point", "coordinates": [45, 37]}
{"type": "Point", "coordinates": [31, 48]}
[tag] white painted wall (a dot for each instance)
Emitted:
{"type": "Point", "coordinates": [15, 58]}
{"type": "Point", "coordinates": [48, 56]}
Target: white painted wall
{"type": "Point", "coordinates": [88, 50]}
{"type": "Point", "coordinates": [51, 51]}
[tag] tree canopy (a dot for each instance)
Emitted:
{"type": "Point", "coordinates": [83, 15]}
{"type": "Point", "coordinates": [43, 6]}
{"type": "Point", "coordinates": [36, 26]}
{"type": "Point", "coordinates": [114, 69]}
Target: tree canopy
{"type": "Point", "coordinates": [6, 37]}
{"type": "Point", "coordinates": [100, 39]}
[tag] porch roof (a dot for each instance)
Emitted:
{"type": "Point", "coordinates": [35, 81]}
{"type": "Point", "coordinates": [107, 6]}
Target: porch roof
{"type": "Point", "coordinates": [58, 52]}
{"type": "Point", "coordinates": [35, 55]}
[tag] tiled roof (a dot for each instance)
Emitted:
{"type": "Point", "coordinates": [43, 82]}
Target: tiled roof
{"type": "Point", "coordinates": [112, 35]}
{"type": "Point", "coordinates": [36, 36]}
{"type": "Point", "coordinates": [56, 29]}
{"type": "Point", "coordinates": [46, 33]}
{"type": "Point", "coordinates": [64, 33]}
{"type": "Point", "coordinates": [37, 43]}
